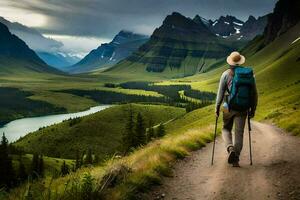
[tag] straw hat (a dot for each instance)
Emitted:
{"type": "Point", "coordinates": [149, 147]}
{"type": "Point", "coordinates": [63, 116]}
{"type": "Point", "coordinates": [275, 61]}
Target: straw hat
{"type": "Point", "coordinates": [235, 58]}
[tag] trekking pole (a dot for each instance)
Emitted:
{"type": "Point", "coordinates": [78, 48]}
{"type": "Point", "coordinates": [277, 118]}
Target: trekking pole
{"type": "Point", "coordinates": [249, 129]}
{"type": "Point", "coordinates": [215, 135]}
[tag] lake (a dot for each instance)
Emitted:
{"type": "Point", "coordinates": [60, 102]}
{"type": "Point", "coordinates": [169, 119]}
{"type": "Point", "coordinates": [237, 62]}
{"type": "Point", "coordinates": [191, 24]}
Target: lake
{"type": "Point", "coordinates": [20, 127]}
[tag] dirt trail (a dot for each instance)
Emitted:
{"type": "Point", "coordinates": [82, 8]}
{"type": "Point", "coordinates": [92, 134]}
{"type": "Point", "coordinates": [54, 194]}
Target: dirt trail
{"type": "Point", "coordinates": [275, 173]}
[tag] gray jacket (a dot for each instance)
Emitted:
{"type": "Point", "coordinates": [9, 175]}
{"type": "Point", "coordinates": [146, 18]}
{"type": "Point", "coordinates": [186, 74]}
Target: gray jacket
{"type": "Point", "coordinates": [224, 87]}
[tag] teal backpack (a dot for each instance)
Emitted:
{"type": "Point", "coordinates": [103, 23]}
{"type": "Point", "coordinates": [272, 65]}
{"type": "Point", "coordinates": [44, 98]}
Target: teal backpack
{"type": "Point", "coordinates": [242, 88]}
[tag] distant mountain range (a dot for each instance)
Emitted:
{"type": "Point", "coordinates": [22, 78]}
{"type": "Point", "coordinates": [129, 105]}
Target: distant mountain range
{"type": "Point", "coordinates": [108, 54]}
{"type": "Point", "coordinates": [171, 45]}
{"type": "Point", "coordinates": [46, 48]}
{"type": "Point", "coordinates": [17, 57]}
{"type": "Point", "coordinates": [230, 27]}
{"type": "Point", "coordinates": [179, 47]}
{"type": "Point", "coordinates": [58, 59]}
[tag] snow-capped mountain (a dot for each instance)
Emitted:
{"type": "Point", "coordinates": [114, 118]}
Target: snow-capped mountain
{"type": "Point", "coordinates": [226, 26]}
{"type": "Point", "coordinates": [230, 27]}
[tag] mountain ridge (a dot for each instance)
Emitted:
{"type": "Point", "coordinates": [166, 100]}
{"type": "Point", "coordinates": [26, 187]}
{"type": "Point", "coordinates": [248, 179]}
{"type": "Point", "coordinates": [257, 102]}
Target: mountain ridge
{"type": "Point", "coordinates": [108, 54]}
{"type": "Point", "coordinates": [229, 27]}
{"type": "Point", "coordinates": [46, 48]}
{"type": "Point", "coordinates": [12, 48]}
{"type": "Point", "coordinates": [179, 47]}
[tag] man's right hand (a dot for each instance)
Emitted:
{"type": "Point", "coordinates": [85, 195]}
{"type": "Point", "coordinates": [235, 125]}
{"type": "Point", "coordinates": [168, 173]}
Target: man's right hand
{"type": "Point", "coordinates": [251, 113]}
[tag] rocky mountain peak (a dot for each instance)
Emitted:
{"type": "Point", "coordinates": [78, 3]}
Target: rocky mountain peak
{"type": "Point", "coordinates": [285, 15]}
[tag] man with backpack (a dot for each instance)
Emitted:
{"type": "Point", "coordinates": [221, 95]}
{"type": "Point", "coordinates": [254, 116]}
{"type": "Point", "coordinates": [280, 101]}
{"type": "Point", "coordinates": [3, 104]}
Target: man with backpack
{"type": "Point", "coordinates": [237, 90]}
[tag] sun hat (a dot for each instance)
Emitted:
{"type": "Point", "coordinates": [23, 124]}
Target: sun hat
{"type": "Point", "coordinates": [235, 58]}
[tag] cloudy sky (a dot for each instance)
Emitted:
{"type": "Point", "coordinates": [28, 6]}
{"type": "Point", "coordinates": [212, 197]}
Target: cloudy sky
{"type": "Point", "coordinates": [100, 20]}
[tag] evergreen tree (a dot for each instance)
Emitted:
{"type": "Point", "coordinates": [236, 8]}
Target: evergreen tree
{"type": "Point", "coordinates": [96, 159]}
{"type": "Point", "coordinates": [129, 135]}
{"type": "Point", "coordinates": [7, 176]}
{"type": "Point", "coordinates": [140, 131]}
{"type": "Point", "coordinates": [81, 159]}
{"type": "Point", "coordinates": [77, 161]}
{"type": "Point", "coordinates": [89, 157]}
{"type": "Point", "coordinates": [160, 130]}
{"type": "Point", "coordinates": [35, 166]}
{"type": "Point", "coordinates": [64, 169]}
{"type": "Point", "coordinates": [41, 166]}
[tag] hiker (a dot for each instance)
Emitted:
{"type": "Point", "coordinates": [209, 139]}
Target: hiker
{"type": "Point", "coordinates": [238, 90]}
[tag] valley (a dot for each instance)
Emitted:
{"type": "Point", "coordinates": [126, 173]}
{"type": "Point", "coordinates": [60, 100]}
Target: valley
{"type": "Point", "coordinates": [152, 104]}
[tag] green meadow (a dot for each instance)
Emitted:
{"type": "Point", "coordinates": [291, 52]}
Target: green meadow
{"type": "Point", "coordinates": [101, 132]}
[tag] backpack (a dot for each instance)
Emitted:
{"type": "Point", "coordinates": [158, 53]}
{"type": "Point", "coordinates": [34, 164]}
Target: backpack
{"type": "Point", "coordinates": [242, 88]}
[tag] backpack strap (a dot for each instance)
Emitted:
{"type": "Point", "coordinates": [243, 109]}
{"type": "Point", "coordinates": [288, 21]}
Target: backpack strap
{"type": "Point", "coordinates": [229, 81]}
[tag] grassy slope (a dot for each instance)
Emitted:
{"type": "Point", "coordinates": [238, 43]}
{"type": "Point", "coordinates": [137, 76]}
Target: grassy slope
{"type": "Point", "coordinates": [277, 72]}
{"type": "Point", "coordinates": [102, 131]}
{"type": "Point", "coordinates": [189, 65]}
{"type": "Point", "coordinates": [51, 165]}
{"type": "Point", "coordinates": [159, 153]}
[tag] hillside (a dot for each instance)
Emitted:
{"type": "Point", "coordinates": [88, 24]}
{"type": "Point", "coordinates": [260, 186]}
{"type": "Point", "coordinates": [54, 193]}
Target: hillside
{"type": "Point", "coordinates": [34, 39]}
{"type": "Point", "coordinates": [16, 55]}
{"type": "Point", "coordinates": [102, 131]}
{"type": "Point", "coordinates": [179, 47]}
{"type": "Point", "coordinates": [286, 15]}
{"type": "Point", "coordinates": [108, 54]}
{"type": "Point", "coordinates": [277, 75]}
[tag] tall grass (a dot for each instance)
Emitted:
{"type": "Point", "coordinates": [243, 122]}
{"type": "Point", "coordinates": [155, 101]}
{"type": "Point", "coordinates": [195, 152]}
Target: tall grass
{"type": "Point", "coordinates": [122, 178]}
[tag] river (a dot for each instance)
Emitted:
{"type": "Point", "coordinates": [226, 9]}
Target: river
{"type": "Point", "coordinates": [20, 127]}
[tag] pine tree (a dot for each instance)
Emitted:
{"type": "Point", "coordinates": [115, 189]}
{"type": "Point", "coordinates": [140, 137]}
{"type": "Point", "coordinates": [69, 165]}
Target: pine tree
{"type": "Point", "coordinates": [35, 166]}
{"type": "Point", "coordinates": [64, 169]}
{"type": "Point", "coordinates": [89, 157]}
{"type": "Point", "coordinates": [7, 176]}
{"type": "Point", "coordinates": [160, 130]}
{"type": "Point", "coordinates": [96, 159]}
{"type": "Point", "coordinates": [140, 131]}
{"type": "Point", "coordinates": [41, 166]}
{"type": "Point", "coordinates": [129, 136]}
{"type": "Point", "coordinates": [77, 161]}
{"type": "Point", "coordinates": [82, 159]}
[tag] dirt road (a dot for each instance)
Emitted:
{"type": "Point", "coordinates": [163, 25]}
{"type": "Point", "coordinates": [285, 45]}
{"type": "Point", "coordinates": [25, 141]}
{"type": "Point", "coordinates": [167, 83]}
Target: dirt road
{"type": "Point", "coordinates": [275, 173]}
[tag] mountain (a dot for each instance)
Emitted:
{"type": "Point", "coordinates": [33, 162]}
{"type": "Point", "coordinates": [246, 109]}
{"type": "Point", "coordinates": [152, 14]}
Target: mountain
{"type": "Point", "coordinates": [58, 60]}
{"type": "Point", "coordinates": [15, 53]}
{"type": "Point", "coordinates": [230, 27]}
{"type": "Point", "coordinates": [226, 26]}
{"type": "Point", "coordinates": [179, 47]}
{"type": "Point", "coordinates": [48, 49]}
{"type": "Point", "coordinates": [286, 15]}
{"type": "Point", "coordinates": [32, 37]}
{"type": "Point", "coordinates": [253, 27]}
{"type": "Point", "coordinates": [108, 54]}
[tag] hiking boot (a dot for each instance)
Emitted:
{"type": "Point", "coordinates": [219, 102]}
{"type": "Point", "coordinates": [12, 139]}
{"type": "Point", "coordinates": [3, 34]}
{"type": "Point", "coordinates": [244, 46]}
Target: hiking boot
{"type": "Point", "coordinates": [236, 164]}
{"type": "Point", "coordinates": [232, 155]}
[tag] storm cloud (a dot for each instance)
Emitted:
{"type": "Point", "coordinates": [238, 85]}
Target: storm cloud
{"type": "Point", "coordinates": [104, 18]}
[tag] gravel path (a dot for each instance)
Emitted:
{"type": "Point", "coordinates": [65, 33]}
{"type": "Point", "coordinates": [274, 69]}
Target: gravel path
{"type": "Point", "coordinates": [275, 173]}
